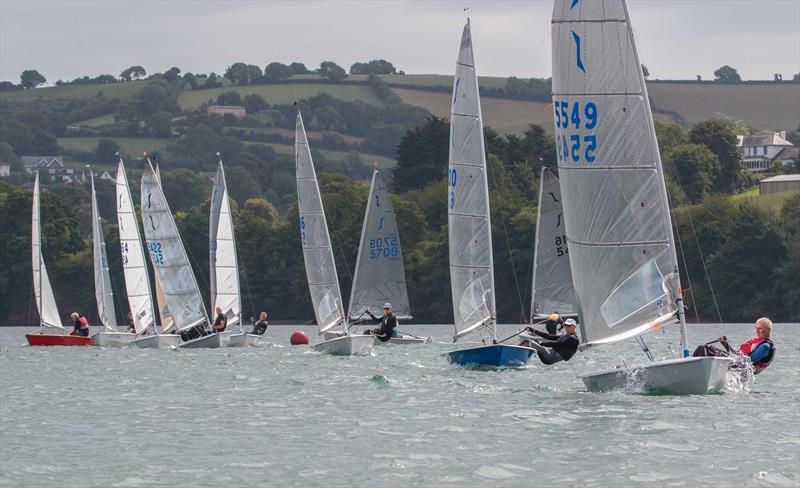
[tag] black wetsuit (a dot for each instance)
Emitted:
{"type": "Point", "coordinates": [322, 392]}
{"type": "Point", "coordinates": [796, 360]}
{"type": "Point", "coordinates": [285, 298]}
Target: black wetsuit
{"type": "Point", "coordinates": [260, 327]}
{"type": "Point", "coordinates": [563, 346]}
{"type": "Point", "coordinates": [220, 319]}
{"type": "Point", "coordinates": [385, 330]}
{"type": "Point", "coordinates": [552, 326]}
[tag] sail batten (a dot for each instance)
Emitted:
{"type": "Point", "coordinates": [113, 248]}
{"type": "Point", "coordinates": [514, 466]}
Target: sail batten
{"type": "Point", "coordinates": [169, 257]}
{"type": "Point", "coordinates": [323, 281]}
{"type": "Point", "coordinates": [618, 227]}
{"type": "Point", "coordinates": [102, 281]}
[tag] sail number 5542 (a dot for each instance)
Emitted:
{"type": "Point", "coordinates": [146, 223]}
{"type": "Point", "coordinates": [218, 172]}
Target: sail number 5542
{"type": "Point", "coordinates": [576, 147]}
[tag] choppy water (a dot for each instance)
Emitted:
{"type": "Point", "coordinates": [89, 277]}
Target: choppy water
{"type": "Point", "coordinates": [278, 415]}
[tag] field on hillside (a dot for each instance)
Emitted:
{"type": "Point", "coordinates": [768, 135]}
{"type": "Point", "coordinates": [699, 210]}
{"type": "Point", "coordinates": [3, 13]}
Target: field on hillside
{"type": "Point", "coordinates": [281, 94]}
{"type": "Point", "coordinates": [441, 80]}
{"type": "Point", "coordinates": [504, 116]}
{"type": "Point", "coordinates": [772, 202]}
{"type": "Point", "coordinates": [130, 146]}
{"type": "Point", "coordinates": [123, 91]}
{"type": "Point", "coordinates": [383, 162]}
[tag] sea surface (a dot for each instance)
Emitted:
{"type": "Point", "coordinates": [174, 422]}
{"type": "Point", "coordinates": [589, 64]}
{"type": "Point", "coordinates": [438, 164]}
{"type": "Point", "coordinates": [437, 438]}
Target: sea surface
{"type": "Point", "coordinates": [278, 415]}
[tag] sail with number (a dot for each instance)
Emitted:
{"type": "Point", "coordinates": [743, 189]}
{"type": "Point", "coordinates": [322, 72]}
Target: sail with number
{"type": "Point", "coordinates": [102, 280]}
{"type": "Point", "coordinates": [552, 276]}
{"type": "Point", "coordinates": [323, 281]}
{"type": "Point", "coordinates": [161, 300]}
{"type": "Point", "coordinates": [134, 267]}
{"type": "Point", "coordinates": [469, 224]}
{"type": "Point", "coordinates": [621, 248]}
{"type": "Point", "coordinates": [45, 299]}
{"type": "Point", "coordinates": [169, 257]}
{"type": "Point", "coordinates": [379, 275]}
{"type": "Point", "coordinates": [224, 271]}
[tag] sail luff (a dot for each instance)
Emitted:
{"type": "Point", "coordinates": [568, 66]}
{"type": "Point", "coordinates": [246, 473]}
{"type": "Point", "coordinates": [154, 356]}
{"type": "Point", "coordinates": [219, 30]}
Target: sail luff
{"type": "Point", "coordinates": [323, 280]}
{"type": "Point", "coordinates": [102, 281]}
{"type": "Point", "coordinates": [134, 265]}
{"type": "Point", "coordinates": [42, 290]}
{"type": "Point", "coordinates": [469, 222]}
{"type": "Point", "coordinates": [168, 256]}
{"type": "Point", "coordinates": [223, 263]}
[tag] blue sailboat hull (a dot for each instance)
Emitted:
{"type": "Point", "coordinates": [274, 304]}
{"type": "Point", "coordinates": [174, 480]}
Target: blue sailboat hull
{"type": "Point", "coordinates": [491, 356]}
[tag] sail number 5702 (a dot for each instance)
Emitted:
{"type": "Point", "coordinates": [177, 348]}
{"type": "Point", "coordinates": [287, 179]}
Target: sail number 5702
{"type": "Point", "coordinates": [576, 147]}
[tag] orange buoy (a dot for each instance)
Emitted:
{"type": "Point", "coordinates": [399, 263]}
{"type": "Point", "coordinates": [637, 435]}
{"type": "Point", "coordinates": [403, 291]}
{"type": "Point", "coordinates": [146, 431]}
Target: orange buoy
{"type": "Point", "coordinates": [299, 338]}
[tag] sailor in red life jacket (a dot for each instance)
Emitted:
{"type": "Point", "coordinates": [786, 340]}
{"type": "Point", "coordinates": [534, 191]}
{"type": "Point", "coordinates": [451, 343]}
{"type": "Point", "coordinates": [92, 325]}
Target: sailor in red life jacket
{"type": "Point", "coordinates": [760, 349]}
{"type": "Point", "coordinates": [80, 325]}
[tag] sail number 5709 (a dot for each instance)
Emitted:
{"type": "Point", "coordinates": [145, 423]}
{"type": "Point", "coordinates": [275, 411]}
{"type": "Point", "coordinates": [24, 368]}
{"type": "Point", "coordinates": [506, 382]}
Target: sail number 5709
{"type": "Point", "coordinates": [575, 147]}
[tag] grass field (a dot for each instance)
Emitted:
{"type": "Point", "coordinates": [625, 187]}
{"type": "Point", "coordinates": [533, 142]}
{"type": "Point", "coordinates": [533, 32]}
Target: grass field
{"type": "Point", "coordinates": [96, 121]}
{"type": "Point", "coordinates": [130, 146]}
{"type": "Point", "coordinates": [772, 202]}
{"type": "Point", "coordinates": [282, 94]}
{"type": "Point", "coordinates": [123, 91]}
{"type": "Point", "coordinates": [383, 162]}
{"type": "Point", "coordinates": [441, 80]}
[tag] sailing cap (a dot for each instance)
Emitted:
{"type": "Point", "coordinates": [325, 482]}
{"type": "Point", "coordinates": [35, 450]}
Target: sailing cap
{"type": "Point", "coordinates": [553, 316]}
{"type": "Point", "coordinates": [387, 305]}
{"type": "Point", "coordinates": [569, 322]}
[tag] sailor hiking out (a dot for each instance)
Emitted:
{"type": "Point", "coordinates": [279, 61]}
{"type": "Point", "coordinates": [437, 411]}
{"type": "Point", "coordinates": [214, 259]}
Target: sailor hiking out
{"type": "Point", "coordinates": [387, 324]}
{"type": "Point", "coordinates": [760, 350]}
{"type": "Point", "coordinates": [555, 348]}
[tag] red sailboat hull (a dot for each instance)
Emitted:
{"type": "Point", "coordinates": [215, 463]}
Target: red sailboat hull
{"type": "Point", "coordinates": [39, 339]}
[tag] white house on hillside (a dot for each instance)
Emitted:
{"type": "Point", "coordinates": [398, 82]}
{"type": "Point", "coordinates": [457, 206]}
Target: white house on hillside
{"type": "Point", "coordinates": [760, 152]}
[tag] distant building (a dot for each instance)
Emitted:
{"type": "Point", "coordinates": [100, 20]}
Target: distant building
{"type": "Point", "coordinates": [234, 110]}
{"type": "Point", "coordinates": [760, 152]}
{"type": "Point", "coordinates": [5, 170]}
{"type": "Point", "coordinates": [779, 183]}
{"type": "Point", "coordinates": [48, 165]}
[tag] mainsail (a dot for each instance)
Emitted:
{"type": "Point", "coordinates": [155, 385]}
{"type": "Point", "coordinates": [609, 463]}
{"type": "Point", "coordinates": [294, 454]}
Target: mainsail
{"type": "Point", "coordinates": [323, 282]}
{"type": "Point", "coordinates": [552, 277]}
{"type": "Point", "coordinates": [223, 272]}
{"type": "Point", "coordinates": [379, 275]}
{"type": "Point", "coordinates": [615, 203]}
{"type": "Point", "coordinates": [137, 281]}
{"type": "Point", "coordinates": [169, 256]}
{"type": "Point", "coordinates": [469, 225]}
{"type": "Point", "coordinates": [102, 280]}
{"type": "Point", "coordinates": [45, 300]}
{"type": "Point", "coordinates": [163, 310]}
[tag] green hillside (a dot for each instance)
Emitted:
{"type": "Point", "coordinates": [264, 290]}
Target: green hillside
{"type": "Point", "coordinates": [281, 93]}
{"type": "Point", "coordinates": [123, 91]}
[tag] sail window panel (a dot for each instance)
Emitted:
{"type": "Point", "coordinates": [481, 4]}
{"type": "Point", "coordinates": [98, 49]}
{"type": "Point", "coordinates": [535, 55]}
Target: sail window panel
{"type": "Point", "coordinates": [310, 201]}
{"type": "Point", "coordinates": [327, 303]}
{"type": "Point", "coordinates": [468, 195]}
{"type": "Point", "coordinates": [472, 289]}
{"type": "Point", "coordinates": [466, 141]}
{"type": "Point", "coordinates": [610, 207]}
{"type": "Point", "coordinates": [642, 288]}
{"type": "Point", "coordinates": [313, 232]}
{"type": "Point", "coordinates": [572, 10]}
{"type": "Point", "coordinates": [465, 92]}
{"type": "Point", "coordinates": [470, 241]}
{"type": "Point", "coordinates": [596, 58]}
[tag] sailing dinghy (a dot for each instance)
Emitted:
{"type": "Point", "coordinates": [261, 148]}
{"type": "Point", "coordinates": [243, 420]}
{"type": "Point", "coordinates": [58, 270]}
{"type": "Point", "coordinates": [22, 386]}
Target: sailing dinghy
{"type": "Point", "coordinates": [111, 336]}
{"type": "Point", "coordinates": [621, 247]}
{"type": "Point", "coordinates": [223, 264]}
{"type": "Point", "coordinates": [323, 282]}
{"type": "Point", "coordinates": [171, 264]}
{"type": "Point", "coordinates": [469, 226]}
{"type": "Point", "coordinates": [379, 277]}
{"type": "Point", "coordinates": [45, 299]}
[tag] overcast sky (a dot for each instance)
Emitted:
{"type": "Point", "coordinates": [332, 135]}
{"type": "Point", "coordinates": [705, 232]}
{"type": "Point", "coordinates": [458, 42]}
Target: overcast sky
{"type": "Point", "coordinates": [678, 39]}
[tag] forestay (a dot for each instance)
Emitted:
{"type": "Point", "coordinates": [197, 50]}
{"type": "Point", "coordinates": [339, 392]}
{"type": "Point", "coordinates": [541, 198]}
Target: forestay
{"type": "Point", "coordinates": [224, 271]}
{"type": "Point", "coordinates": [102, 281]}
{"type": "Point", "coordinates": [552, 276]}
{"type": "Point", "coordinates": [379, 275]}
{"type": "Point", "coordinates": [169, 257]}
{"type": "Point", "coordinates": [615, 204]}
{"type": "Point", "coordinates": [469, 225]}
{"type": "Point", "coordinates": [137, 281]}
{"type": "Point", "coordinates": [323, 282]}
{"type": "Point", "coordinates": [45, 300]}
{"type": "Point", "coordinates": [161, 301]}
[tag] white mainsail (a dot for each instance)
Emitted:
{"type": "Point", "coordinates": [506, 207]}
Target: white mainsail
{"type": "Point", "coordinates": [469, 224]}
{"type": "Point", "coordinates": [45, 300]}
{"type": "Point", "coordinates": [134, 267]}
{"type": "Point", "coordinates": [169, 257]}
{"type": "Point", "coordinates": [379, 275]}
{"type": "Point", "coordinates": [323, 281]}
{"type": "Point", "coordinates": [102, 280]}
{"type": "Point", "coordinates": [621, 247]}
{"type": "Point", "coordinates": [161, 300]}
{"type": "Point", "coordinates": [552, 276]}
{"type": "Point", "coordinates": [224, 271]}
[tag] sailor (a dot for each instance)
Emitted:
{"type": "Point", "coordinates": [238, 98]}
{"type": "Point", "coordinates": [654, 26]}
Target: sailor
{"type": "Point", "coordinates": [557, 347]}
{"type": "Point", "coordinates": [131, 324]}
{"type": "Point", "coordinates": [220, 322]}
{"type": "Point", "coordinates": [80, 325]}
{"type": "Point", "coordinates": [261, 325]}
{"type": "Point", "coordinates": [760, 349]}
{"type": "Point", "coordinates": [553, 324]}
{"type": "Point", "coordinates": [388, 324]}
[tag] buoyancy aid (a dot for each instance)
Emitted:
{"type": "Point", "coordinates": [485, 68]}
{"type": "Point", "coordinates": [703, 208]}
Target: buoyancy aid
{"type": "Point", "coordinates": [83, 322]}
{"type": "Point", "coordinates": [748, 347]}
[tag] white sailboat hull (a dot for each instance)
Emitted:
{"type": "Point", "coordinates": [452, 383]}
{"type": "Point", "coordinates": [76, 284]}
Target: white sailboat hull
{"type": "Point", "coordinates": [400, 339]}
{"type": "Point", "coordinates": [211, 341]}
{"type": "Point", "coordinates": [113, 339]}
{"type": "Point", "coordinates": [243, 340]}
{"type": "Point", "coordinates": [349, 345]}
{"type": "Point", "coordinates": [684, 376]}
{"type": "Point", "coordinates": [158, 341]}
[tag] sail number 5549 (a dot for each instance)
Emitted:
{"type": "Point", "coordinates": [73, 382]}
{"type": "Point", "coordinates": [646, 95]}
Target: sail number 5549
{"type": "Point", "coordinates": [576, 147]}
